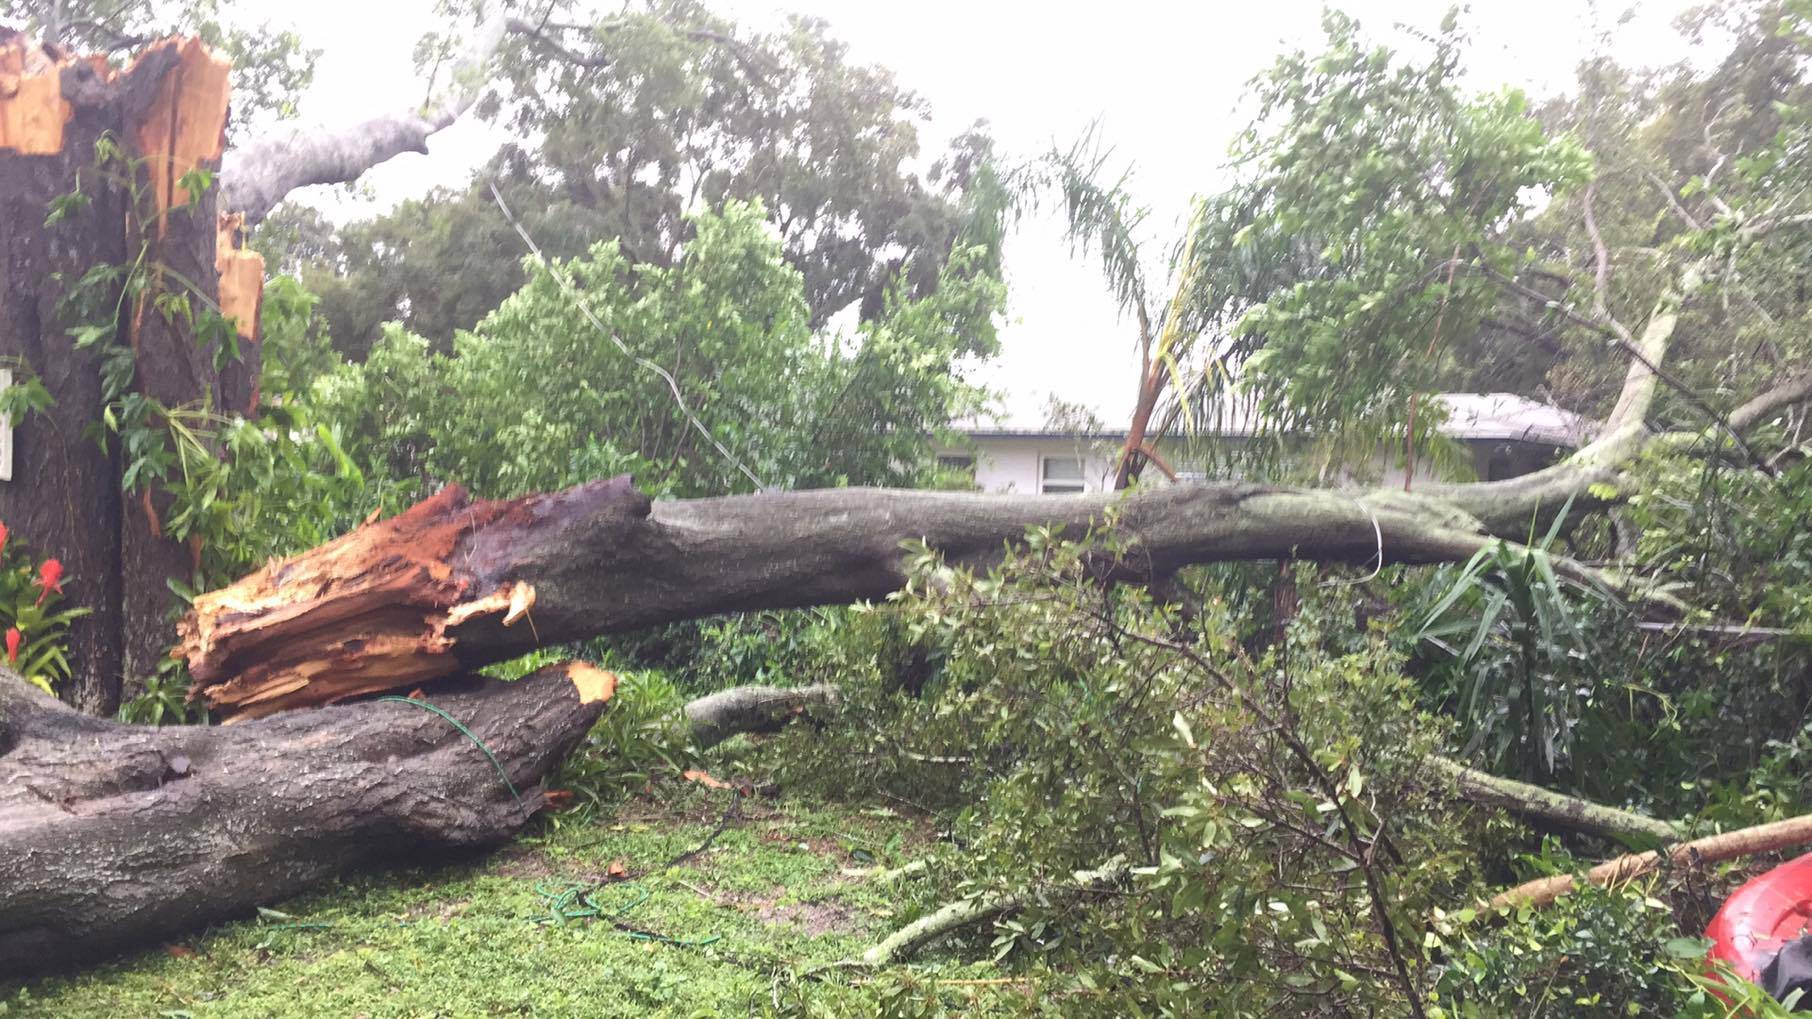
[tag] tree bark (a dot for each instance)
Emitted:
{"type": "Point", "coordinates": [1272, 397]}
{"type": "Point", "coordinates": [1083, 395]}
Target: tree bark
{"type": "Point", "coordinates": [910, 939]}
{"type": "Point", "coordinates": [64, 496]}
{"type": "Point", "coordinates": [1542, 804]}
{"type": "Point", "coordinates": [453, 584]}
{"type": "Point", "coordinates": [181, 128]}
{"type": "Point", "coordinates": [1763, 838]}
{"type": "Point", "coordinates": [261, 175]}
{"type": "Point", "coordinates": [716, 717]}
{"type": "Point", "coordinates": [113, 834]}
{"type": "Point", "coordinates": [166, 113]}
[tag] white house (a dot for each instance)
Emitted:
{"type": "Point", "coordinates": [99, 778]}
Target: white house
{"type": "Point", "coordinates": [1506, 434]}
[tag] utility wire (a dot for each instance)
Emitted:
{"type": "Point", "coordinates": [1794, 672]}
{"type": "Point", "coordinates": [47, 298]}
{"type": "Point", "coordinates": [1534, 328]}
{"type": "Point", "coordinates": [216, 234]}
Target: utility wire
{"type": "Point", "coordinates": [578, 299]}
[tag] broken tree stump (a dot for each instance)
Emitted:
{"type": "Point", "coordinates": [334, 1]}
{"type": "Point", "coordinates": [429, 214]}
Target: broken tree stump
{"type": "Point", "coordinates": [101, 174]}
{"type": "Point", "coordinates": [112, 835]}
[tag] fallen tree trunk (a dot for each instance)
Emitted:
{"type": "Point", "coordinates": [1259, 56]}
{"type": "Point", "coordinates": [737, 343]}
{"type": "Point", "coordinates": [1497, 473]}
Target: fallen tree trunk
{"type": "Point", "coordinates": [113, 834]}
{"type": "Point", "coordinates": [1556, 808]}
{"type": "Point", "coordinates": [1763, 838]}
{"type": "Point", "coordinates": [453, 584]}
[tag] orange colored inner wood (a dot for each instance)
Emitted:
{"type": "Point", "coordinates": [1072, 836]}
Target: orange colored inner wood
{"type": "Point", "coordinates": [184, 126]}
{"type": "Point", "coordinates": [362, 614]}
{"type": "Point", "coordinates": [32, 108]}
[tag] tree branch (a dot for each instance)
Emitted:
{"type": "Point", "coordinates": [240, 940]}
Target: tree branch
{"type": "Point", "coordinates": [255, 178]}
{"type": "Point", "coordinates": [716, 717]}
{"type": "Point", "coordinates": [1534, 801]}
{"type": "Point", "coordinates": [452, 584]}
{"type": "Point", "coordinates": [908, 940]}
{"type": "Point", "coordinates": [1793, 831]}
{"type": "Point", "coordinates": [1759, 409]}
{"type": "Point", "coordinates": [593, 62]}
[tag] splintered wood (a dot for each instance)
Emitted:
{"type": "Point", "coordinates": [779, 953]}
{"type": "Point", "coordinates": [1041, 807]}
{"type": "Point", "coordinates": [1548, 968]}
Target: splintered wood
{"type": "Point", "coordinates": [241, 276]}
{"type": "Point", "coordinates": [183, 128]}
{"type": "Point", "coordinates": [32, 108]}
{"type": "Point", "coordinates": [594, 684]}
{"type": "Point", "coordinates": [241, 272]}
{"type": "Point", "coordinates": [366, 613]}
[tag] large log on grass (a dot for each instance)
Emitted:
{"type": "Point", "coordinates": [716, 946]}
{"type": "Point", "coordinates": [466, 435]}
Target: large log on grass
{"type": "Point", "coordinates": [113, 835]}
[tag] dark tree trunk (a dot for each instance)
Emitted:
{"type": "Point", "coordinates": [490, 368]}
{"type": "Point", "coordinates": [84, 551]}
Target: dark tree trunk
{"type": "Point", "coordinates": [453, 584]}
{"type": "Point", "coordinates": [64, 496]}
{"type": "Point", "coordinates": [166, 114]}
{"type": "Point", "coordinates": [112, 835]}
{"type": "Point", "coordinates": [177, 372]}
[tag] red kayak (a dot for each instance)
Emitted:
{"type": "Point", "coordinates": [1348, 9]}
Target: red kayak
{"type": "Point", "coordinates": [1769, 912]}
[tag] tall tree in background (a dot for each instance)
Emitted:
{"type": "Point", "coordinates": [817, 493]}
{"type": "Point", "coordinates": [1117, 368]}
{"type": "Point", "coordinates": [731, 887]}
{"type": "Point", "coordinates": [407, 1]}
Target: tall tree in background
{"type": "Point", "coordinates": [1457, 241]}
{"type": "Point", "coordinates": [630, 123]}
{"type": "Point", "coordinates": [658, 365]}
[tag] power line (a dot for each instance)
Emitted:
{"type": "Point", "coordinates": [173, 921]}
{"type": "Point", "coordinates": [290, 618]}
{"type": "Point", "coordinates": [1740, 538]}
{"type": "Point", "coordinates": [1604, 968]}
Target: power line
{"type": "Point", "coordinates": [578, 299]}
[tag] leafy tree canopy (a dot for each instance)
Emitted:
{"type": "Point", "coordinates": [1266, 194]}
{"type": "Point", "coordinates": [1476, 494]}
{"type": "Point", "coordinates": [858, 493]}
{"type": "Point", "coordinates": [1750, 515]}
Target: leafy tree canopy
{"type": "Point", "coordinates": [540, 395]}
{"type": "Point", "coordinates": [631, 123]}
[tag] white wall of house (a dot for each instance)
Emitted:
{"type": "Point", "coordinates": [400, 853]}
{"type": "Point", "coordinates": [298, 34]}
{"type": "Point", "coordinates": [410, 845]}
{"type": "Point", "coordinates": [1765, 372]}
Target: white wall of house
{"type": "Point", "coordinates": [1506, 435]}
{"type": "Point", "coordinates": [1033, 465]}
{"type": "Point", "coordinates": [1040, 464]}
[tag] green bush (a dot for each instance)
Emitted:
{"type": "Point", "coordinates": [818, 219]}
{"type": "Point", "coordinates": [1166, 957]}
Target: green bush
{"type": "Point", "coordinates": [1600, 952]}
{"type": "Point", "coordinates": [1254, 793]}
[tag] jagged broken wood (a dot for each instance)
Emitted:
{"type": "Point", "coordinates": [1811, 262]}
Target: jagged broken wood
{"type": "Point", "coordinates": [112, 835]}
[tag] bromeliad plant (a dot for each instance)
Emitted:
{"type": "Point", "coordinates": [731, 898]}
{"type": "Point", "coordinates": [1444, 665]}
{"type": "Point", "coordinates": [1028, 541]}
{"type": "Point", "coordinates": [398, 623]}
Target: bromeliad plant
{"type": "Point", "coordinates": [37, 627]}
{"type": "Point", "coordinates": [1511, 656]}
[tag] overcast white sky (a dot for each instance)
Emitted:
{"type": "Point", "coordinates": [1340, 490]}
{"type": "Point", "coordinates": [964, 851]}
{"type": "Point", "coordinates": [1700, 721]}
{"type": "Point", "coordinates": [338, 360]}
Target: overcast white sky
{"type": "Point", "coordinates": [1163, 79]}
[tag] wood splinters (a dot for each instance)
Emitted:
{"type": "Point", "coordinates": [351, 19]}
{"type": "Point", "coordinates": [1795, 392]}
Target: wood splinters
{"type": "Point", "coordinates": [593, 683]}
{"type": "Point", "coordinates": [514, 602]}
{"type": "Point", "coordinates": [496, 601]}
{"type": "Point", "coordinates": [522, 598]}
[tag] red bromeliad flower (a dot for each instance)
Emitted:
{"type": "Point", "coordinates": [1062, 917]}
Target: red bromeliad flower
{"type": "Point", "coordinates": [13, 637]}
{"type": "Point", "coordinates": [50, 578]}
{"type": "Point", "coordinates": [2, 537]}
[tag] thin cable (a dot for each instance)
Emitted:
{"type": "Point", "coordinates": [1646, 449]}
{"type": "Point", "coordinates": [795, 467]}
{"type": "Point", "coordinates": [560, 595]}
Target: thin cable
{"type": "Point", "coordinates": [572, 902]}
{"type": "Point", "coordinates": [1378, 532]}
{"type": "Point", "coordinates": [468, 734]}
{"type": "Point", "coordinates": [678, 398]}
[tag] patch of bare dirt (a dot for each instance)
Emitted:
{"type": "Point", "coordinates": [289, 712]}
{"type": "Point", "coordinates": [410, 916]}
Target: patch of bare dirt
{"type": "Point", "coordinates": [522, 862]}
{"type": "Point", "coordinates": [815, 918]}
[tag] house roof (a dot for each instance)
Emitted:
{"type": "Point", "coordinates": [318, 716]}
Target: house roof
{"type": "Point", "coordinates": [1485, 417]}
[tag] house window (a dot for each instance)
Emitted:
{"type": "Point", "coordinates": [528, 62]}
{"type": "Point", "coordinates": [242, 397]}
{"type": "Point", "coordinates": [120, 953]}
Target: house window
{"type": "Point", "coordinates": [955, 462]}
{"type": "Point", "coordinates": [1061, 475]}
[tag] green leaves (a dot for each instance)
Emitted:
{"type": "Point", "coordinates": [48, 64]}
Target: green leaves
{"type": "Point", "coordinates": [1385, 192]}
{"type": "Point", "coordinates": [1597, 952]}
{"type": "Point", "coordinates": [1512, 664]}
{"type": "Point", "coordinates": [538, 397]}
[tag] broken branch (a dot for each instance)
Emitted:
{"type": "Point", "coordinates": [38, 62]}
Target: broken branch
{"type": "Point", "coordinates": [910, 939]}
{"type": "Point", "coordinates": [1567, 811]}
{"type": "Point", "coordinates": [1793, 831]}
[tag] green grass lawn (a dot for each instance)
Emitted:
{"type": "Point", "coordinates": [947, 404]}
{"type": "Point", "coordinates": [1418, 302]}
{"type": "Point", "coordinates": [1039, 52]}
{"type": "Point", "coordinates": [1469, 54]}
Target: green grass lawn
{"type": "Point", "coordinates": [476, 937]}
